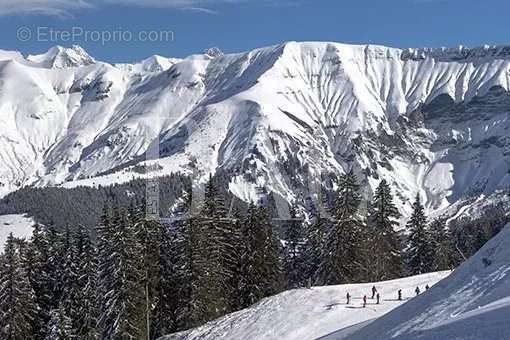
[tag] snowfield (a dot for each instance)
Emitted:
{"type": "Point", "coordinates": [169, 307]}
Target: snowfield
{"type": "Point", "coordinates": [19, 225]}
{"type": "Point", "coordinates": [473, 303]}
{"type": "Point", "coordinates": [303, 314]}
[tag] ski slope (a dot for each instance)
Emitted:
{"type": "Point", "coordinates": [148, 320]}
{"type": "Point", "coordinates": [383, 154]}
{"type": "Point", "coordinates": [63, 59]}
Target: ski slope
{"type": "Point", "coordinates": [309, 313]}
{"type": "Point", "coordinates": [473, 303]}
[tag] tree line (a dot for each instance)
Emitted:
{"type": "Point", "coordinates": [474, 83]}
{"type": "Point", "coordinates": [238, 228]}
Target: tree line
{"type": "Point", "coordinates": [134, 278]}
{"type": "Point", "coordinates": [83, 205]}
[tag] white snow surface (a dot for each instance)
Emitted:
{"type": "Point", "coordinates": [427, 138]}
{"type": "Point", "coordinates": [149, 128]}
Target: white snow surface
{"type": "Point", "coordinates": [19, 225]}
{"type": "Point", "coordinates": [303, 314]}
{"type": "Point", "coordinates": [473, 303]}
{"type": "Point", "coordinates": [275, 117]}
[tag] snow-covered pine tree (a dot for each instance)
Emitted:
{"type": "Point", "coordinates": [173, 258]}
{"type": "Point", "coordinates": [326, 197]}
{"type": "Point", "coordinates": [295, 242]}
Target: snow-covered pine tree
{"type": "Point", "coordinates": [60, 326]}
{"type": "Point", "coordinates": [195, 301]}
{"type": "Point", "coordinates": [251, 276]}
{"type": "Point", "coordinates": [234, 265]}
{"type": "Point", "coordinates": [217, 248]}
{"type": "Point", "coordinates": [70, 290]}
{"type": "Point", "coordinates": [418, 253]}
{"type": "Point", "coordinates": [40, 280]}
{"type": "Point", "coordinates": [183, 262]}
{"type": "Point", "coordinates": [272, 255]}
{"type": "Point", "coordinates": [229, 250]}
{"type": "Point", "coordinates": [17, 306]}
{"type": "Point", "coordinates": [385, 255]}
{"type": "Point", "coordinates": [28, 259]}
{"type": "Point", "coordinates": [86, 303]}
{"type": "Point", "coordinates": [441, 244]}
{"type": "Point", "coordinates": [174, 265]}
{"type": "Point", "coordinates": [342, 259]}
{"type": "Point", "coordinates": [166, 301]}
{"type": "Point", "coordinates": [105, 237]}
{"type": "Point", "coordinates": [293, 253]}
{"type": "Point", "coordinates": [315, 241]}
{"type": "Point", "coordinates": [148, 237]}
{"type": "Point", "coordinates": [122, 306]}
{"type": "Point", "coordinates": [56, 261]}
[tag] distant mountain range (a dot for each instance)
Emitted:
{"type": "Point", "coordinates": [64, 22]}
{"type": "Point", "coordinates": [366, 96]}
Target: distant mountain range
{"type": "Point", "coordinates": [433, 122]}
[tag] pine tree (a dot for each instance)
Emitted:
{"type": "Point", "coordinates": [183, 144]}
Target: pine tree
{"type": "Point", "coordinates": [86, 309]}
{"type": "Point", "coordinates": [40, 280]}
{"type": "Point", "coordinates": [148, 234]}
{"type": "Point", "coordinates": [196, 300]}
{"type": "Point", "coordinates": [167, 301]}
{"type": "Point", "coordinates": [234, 265]}
{"type": "Point", "coordinates": [216, 234]}
{"type": "Point", "coordinates": [56, 261]}
{"type": "Point", "coordinates": [251, 276]}
{"type": "Point", "coordinates": [18, 310]}
{"type": "Point", "coordinates": [342, 260]}
{"type": "Point", "coordinates": [385, 258]}
{"type": "Point", "coordinates": [69, 300]}
{"type": "Point", "coordinates": [122, 305]}
{"type": "Point", "coordinates": [314, 244]}
{"type": "Point", "coordinates": [272, 255]}
{"type": "Point", "coordinates": [418, 254]}
{"type": "Point", "coordinates": [441, 245]}
{"type": "Point", "coordinates": [174, 265]}
{"type": "Point", "coordinates": [60, 326]}
{"type": "Point", "coordinates": [294, 257]}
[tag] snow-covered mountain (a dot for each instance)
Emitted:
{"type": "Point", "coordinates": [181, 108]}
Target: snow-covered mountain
{"type": "Point", "coordinates": [430, 121]}
{"type": "Point", "coordinates": [472, 303]}
{"type": "Point", "coordinates": [60, 57]}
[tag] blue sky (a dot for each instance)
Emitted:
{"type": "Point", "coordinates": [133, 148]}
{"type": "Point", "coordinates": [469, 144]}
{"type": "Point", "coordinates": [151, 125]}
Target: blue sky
{"type": "Point", "coordinates": [238, 25]}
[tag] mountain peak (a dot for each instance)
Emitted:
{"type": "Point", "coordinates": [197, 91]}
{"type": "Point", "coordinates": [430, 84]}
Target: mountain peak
{"type": "Point", "coordinates": [62, 57]}
{"type": "Point", "coordinates": [157, 63]}
{"type": "Point", "coordinates": [213, 52]}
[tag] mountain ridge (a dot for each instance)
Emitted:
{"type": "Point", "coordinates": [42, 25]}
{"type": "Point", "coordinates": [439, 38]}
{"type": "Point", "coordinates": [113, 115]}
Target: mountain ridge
{"type": "Point", "coordinates": [278, 117]}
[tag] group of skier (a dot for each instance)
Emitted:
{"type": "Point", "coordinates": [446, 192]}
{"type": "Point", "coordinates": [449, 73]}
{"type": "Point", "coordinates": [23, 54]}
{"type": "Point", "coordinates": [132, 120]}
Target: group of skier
{"type": "Point", "coordinates": [417, 290]}
{"type": "Point", "coordinates": [377, 296]}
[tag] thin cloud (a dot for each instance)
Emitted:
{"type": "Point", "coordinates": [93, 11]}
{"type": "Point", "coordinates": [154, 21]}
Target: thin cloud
{"type": "Point", "coordinates": [43, 7]}
{"type": "Point", "coordinates": [68, 7]}
{"type": "Point", "coordinates": [203, 6]}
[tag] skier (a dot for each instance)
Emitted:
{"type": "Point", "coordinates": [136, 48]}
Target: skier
{"type": "Point", "coordinates": [400, 295]}
{"type": "Point", "coordinates": [417, 291]}
{"type": "Point", "coordinates": [427, 287]}
{"type": "Point", "coordinates": [374, 291]}
{"type": "Point", "coordinates": [348, 298]}
{"type": "Point", "coordinates": [378, 296]}
{"type": "Point", "coordinates": [364, 301]}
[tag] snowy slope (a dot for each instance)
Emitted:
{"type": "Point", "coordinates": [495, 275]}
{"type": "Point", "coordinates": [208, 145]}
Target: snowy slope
{"type": "Point", "coordinates": [19, 225]}
{"type": "Point", "coordinates": [308, 313]}
{"type": "Point", "coordinates": [472, 303]}
{"type": "Point", "coordinates": [429, 121]}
